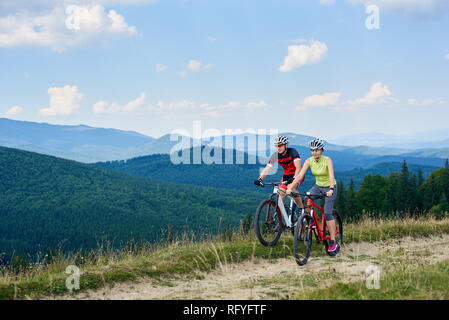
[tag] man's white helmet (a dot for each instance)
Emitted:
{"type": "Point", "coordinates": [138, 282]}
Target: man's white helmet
{"type": "Point", "coordinates": [316, 144]}
{"type": "Point", "coordinates": [279, 140]}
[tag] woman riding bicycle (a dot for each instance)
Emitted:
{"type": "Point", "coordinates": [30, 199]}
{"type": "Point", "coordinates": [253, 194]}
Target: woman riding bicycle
{"type": "Point", "coordinates": [323, 170]}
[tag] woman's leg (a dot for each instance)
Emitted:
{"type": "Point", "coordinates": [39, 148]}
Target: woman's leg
{"type": "Point", "coordinates": [332, 228]}
{"type": "Point", "coordinates": [328, 208]}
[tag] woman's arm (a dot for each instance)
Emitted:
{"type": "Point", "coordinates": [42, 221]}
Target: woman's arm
{"type": "Point", "coordinates": [330, 166]}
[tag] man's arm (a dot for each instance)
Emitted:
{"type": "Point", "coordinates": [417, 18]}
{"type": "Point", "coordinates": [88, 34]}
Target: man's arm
{"type": "Point", "coordinates": [265, 171]}
{"type": "Point", "coordinates": [299, 176]}
{"type": "Point", "coordinates": [297, 163]}
{"type": "Point", "coordinates": [267, 168]}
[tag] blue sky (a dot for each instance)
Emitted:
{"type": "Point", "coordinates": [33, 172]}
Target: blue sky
{"type": "Point", "coordinates": [311, 67]}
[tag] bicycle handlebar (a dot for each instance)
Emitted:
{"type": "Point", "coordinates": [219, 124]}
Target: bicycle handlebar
{"type": "Point", "coordinates": [263, 184]}
{"type": "Point", "coordinates": [294, 194]}
{"type": "Point", "coordinates": [307, 194]}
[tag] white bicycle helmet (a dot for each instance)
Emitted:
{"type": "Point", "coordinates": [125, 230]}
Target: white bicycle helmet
{"type": "Point", "coordinates": [280, 140]}
{"type": "Point", "coordinates": [316, 144]}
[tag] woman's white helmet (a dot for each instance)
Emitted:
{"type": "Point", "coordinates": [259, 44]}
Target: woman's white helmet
{"type": "Point", "coordinates": [316, 144]}
{"type": "Point", "coordinates": [279, 140]}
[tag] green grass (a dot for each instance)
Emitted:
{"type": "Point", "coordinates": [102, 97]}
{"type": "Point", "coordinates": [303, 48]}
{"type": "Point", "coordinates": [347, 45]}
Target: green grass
{"type": "Point", "coordinates": [407, 282]}
{"type": "Point", "coordinates": [187, 258]}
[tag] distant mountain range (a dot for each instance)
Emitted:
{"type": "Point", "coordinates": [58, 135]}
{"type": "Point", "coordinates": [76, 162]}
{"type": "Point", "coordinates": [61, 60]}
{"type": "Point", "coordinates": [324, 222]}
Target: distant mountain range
{"type": "Point", "coordinates": [418, 140]}
{"type": "Point", "coordinates": [81, 143]}
{"type": "Point", "coordinates": [89, 144]}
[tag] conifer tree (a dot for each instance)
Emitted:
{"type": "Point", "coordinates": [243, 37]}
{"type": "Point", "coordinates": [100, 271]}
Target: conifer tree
{"type": "Point", "coordinates": [420, 178]}
{"type": "Point", "coordinates": [404, 188]}
{"type": "Point", "coordinates": [444, 205]}
{"type": "Point", "coordinates": [340, 201]}
{"type": "Point", "coordinates": [350, 201]}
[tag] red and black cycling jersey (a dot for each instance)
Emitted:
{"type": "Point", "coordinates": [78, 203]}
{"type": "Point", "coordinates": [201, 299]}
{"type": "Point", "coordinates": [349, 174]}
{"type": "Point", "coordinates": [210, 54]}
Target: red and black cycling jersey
{"type": "Point", "coordinates": [286, 160]}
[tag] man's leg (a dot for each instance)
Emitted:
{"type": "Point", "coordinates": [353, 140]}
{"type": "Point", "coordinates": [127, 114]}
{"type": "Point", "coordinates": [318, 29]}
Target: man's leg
{"type": "Point", "coordinates": [299, 201]}
{"type": "Point", "coordinates": [282, 197]}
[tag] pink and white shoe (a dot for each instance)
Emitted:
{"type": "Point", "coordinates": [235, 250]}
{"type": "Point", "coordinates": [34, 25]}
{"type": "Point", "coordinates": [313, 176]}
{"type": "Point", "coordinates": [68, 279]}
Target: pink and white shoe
{"type": "Point", "coordinates": [333, 246]}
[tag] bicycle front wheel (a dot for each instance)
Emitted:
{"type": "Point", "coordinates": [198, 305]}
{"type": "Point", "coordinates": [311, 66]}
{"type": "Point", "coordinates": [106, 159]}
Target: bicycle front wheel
{"type": "Point", "coordinates": [268, 223]}
{"type": "Point", "coordinates": [302, 241]}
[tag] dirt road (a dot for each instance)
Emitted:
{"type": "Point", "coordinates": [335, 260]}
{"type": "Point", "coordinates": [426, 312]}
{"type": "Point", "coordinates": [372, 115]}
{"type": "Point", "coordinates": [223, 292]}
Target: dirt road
{"type": "Point", "coordinates": [262, 279]}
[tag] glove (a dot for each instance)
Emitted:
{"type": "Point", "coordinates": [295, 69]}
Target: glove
{"type": "Point", "coordinates": [258, 182]}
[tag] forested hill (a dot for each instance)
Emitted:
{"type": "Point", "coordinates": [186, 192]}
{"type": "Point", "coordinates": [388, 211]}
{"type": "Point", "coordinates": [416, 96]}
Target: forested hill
{"type": "Point", "coordinates": [47, 200]}
{"type": "Point", "coordinates": [238, 176]}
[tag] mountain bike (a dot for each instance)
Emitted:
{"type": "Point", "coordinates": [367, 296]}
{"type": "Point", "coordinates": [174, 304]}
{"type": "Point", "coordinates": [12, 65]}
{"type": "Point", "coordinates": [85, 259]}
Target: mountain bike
{"type": "Point", "coordinates": [308, 224]}
{"type": "Point", "coordinates": [273, 216]}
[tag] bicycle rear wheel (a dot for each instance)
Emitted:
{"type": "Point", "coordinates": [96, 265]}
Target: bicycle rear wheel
{"type": "Point", "coordinates": [339, 233]}
{"type": "Point", "coordinates": [302, 241]}
{"type": "Point", "coordinates": [268, 223]}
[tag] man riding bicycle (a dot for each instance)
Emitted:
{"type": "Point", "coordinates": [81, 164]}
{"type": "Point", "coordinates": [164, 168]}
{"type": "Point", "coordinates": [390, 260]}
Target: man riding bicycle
{"type": "Point", "coordinates": [290, 161]}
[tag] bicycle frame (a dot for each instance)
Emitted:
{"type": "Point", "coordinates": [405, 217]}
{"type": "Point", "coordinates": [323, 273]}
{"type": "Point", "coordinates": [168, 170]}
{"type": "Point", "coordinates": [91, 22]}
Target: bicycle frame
{"type": "Point", "coordinates": [280, 204]}
{"type": "Point", "coordinates": [318, 229]}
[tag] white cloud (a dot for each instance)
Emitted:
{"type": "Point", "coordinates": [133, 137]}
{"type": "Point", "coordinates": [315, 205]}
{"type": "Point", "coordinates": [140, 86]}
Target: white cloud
{"type": "Point", "coordinates": [63, 101]}
{"type": "Point", "coordinates": [61, 29]}
{"type": "Point", "coordinates": [316, 100]}
{"type": "Point", "coordinates": [426, 102]}
{"type": "Point", "coordinates": [259, 104]}
{"type": "Point", "coordinates": [11, 6]}
{"type": "Point", "coordinates": [160, 67]}
{"type": "Point", "coordinates": [228, 109]}
{"type": "Point", "coordinates": [413, 102]}
{"type": "Point", "coordinates": [183, 74]}
{"type": "Point", "coordinates": [211, 39]}
{"type": "Point", "coordinates": [446, 56]}
{"type": "Point", "coordinates": [302, 55]}
{"type": "Point", "coordinates": [420, 8]}
{"type": "Point", "coordinates": [180, 105]}
{"type": "Point", "coordinates": [220, 110]}
{"type": "Point", "coordinates": [326, 2]}
{"type": "Point", "coordinates": [231, 104]}
{"type": "Point", "coordinates": [102, 107]}
{"type": "Point", "coordinates": [14, 111]}
{"type": "Point", "coordinates": [378, 94]}
{"type": "Point", "coordinates": [197, 65]}
{"type": "Point", "coordinates": [177, 109]}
